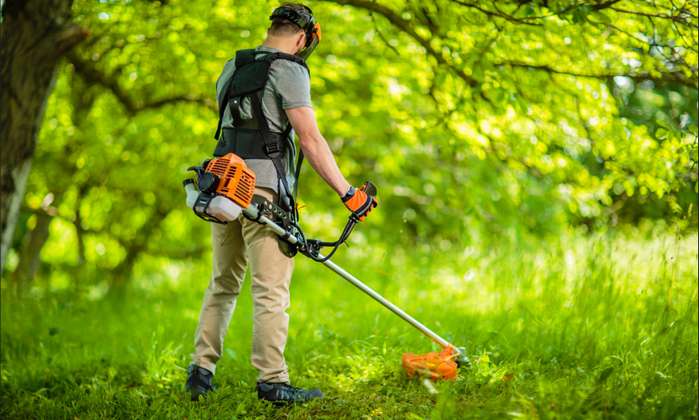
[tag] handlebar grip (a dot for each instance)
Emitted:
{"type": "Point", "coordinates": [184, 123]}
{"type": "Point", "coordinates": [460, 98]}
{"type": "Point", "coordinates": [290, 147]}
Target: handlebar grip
{"type": "Point", "coordinates": [369, 188]}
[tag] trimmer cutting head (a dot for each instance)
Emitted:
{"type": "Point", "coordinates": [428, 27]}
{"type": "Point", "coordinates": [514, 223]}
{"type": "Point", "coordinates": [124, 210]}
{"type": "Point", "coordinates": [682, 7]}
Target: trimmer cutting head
{"type": "Point", "coordinates": [435, 365]}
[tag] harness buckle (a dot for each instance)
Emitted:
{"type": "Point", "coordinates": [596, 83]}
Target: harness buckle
{"type": "Point", "coordinates": [272, 148]}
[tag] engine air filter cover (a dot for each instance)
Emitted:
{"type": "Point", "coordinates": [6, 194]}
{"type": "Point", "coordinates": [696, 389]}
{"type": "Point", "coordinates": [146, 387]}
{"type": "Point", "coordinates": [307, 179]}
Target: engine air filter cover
{"type": "Point", "coordinates": [237, 181]}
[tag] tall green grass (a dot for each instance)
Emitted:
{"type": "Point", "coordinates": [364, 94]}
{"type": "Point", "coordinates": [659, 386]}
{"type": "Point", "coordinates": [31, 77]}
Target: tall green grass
{"type": "Point", "coordinates": [601, 326]}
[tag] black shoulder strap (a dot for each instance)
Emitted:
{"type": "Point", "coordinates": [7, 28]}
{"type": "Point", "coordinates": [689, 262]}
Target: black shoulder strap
{"type": "Point", "coordinates": [242, 58]}
{"type": "Point", "coordinates": [297, 172]}
{"type": "Point", "coordinates": [222, 106]}
{"type": "Point", "coordinates": [284, 56]}
{"type": "Point", "coordinates": [296, 59]}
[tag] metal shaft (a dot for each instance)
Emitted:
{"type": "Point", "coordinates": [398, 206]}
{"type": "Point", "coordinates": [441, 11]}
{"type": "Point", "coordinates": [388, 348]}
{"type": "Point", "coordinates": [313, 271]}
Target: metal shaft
{"type": "Point", "coordinates": [382, 300]}
{"type": "Point", "coordinates": [253, 212]}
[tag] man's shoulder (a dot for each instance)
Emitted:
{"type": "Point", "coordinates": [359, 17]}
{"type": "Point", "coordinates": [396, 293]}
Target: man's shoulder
{"type": "Point", "coordinates": [230, 64]}
{"type": "Point", "coordinates": [289, 68]}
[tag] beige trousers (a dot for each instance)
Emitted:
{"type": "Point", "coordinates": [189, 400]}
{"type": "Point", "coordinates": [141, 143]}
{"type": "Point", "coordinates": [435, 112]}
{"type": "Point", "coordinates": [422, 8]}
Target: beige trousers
{"type": "Point", "coordinates": [235, 245]}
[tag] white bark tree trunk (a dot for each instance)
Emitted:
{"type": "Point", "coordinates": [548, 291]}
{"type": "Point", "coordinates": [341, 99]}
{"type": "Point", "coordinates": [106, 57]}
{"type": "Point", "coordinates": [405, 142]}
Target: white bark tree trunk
{"type": "Point", "coordinates": [34, 35]}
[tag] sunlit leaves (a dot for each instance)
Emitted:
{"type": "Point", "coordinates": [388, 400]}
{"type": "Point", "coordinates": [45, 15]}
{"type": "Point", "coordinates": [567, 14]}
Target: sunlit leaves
{"type": "Point", "coordinates": [529, 116]}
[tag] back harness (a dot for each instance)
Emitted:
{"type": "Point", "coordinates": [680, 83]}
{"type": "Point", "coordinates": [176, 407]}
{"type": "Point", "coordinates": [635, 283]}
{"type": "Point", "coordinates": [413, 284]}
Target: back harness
{"type": "Point", "coordinates": [248, 81]}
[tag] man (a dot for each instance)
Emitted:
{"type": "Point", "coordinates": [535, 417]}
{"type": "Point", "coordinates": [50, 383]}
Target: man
{"type": "Point", "coordinates": [263, 94]}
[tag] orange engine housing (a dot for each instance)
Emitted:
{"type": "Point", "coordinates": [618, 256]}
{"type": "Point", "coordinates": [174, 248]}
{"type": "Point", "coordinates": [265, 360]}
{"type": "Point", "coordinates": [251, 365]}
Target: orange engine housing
{"type": "Point", "coordinates": [237, 181]}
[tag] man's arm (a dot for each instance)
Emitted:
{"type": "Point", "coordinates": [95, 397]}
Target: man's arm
{"type": "Point", "coordinates": [316, 149]}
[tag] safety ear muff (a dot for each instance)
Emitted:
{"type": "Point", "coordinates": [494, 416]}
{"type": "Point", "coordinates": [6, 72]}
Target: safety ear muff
{"type": "Point", "coordinates": [312, 41]}
{"type": "Point", "coordinates": [313, 36]}
{"type": "Point", "coordinates": [316, 30]}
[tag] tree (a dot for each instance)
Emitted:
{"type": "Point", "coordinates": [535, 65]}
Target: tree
{"type": "Point", "coordinates": [478, 121]}
{"type": "Point", "coordinates": [34, 35]}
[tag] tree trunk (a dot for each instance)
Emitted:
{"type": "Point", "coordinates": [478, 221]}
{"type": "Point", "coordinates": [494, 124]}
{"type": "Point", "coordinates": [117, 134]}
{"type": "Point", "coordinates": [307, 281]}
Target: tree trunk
{"type": "Point", "coordinates": [30, 257]}
{"type": "Point", "coordinates": [34, 34]}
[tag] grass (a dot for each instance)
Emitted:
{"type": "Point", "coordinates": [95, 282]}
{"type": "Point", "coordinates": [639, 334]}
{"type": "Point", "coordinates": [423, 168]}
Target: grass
{"type": "Point", "coordinates": [600, 326]}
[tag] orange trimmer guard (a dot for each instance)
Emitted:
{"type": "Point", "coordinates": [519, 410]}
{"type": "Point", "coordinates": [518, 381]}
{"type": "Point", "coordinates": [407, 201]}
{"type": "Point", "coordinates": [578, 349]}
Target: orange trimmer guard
{"type": "Point", "coordinates": [435, 365]}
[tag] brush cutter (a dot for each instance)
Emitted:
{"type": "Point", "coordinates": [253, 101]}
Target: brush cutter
{"type": "Point", "coordinates": [224, 190]}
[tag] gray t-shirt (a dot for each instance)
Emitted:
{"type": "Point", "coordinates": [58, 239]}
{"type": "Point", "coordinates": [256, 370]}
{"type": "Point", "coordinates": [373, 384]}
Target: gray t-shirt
{"type": "Point", "coordinates": [288, 87]}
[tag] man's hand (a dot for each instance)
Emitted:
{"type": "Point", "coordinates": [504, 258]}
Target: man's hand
{"type": "Point", "coordinates": [359, 201]}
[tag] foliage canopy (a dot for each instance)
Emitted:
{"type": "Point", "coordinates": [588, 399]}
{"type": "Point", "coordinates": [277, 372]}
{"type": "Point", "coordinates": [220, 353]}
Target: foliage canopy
{"type": "Point", "coordinates": [477, 120]}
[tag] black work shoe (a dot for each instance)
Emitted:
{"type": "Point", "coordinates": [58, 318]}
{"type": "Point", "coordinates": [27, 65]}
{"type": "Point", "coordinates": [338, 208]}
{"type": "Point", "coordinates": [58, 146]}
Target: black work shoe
{"type": "Point", "coordinates": [281, 393]}
{"type": "Point", "coordinates": [199, 381]}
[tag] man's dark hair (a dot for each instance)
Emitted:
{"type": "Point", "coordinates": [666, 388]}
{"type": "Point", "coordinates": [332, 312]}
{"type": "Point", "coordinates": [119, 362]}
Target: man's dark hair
{"type": "Point", "coordinates": [285, 26]}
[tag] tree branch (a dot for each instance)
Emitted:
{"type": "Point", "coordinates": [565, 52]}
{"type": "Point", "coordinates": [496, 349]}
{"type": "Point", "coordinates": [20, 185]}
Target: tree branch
{"type": "Point", "coordinates": [681, 17]}
{"type": "Point", "coordinates": [498, 13]}
{"type": "Point", "coordinates": [94, 76]}
{"type": "Point", "coordinates": [677, 77]}
{"type": "Point", "coordinates": [69, 37]}
{"type": "Point", "coordinates": [404, 25]}
{"type": "Point", "coordinates": [526, 20]}
{"type": "Point", "coordinates": [381, 36]}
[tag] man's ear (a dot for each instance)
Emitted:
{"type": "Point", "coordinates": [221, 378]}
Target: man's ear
{"type": "Point", "coordinates": [300, 41]}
